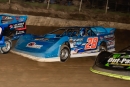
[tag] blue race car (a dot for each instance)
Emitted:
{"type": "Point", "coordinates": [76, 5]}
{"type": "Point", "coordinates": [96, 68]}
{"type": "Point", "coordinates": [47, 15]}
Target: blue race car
{"type": "Point", "coordinates": [5, 42]}
{"type": "Point", "coordinates": [16, 25]}
{"type": "Point", "coordinates": [10, 25]}
{"type": "Point", "coordinates": [66, 42]}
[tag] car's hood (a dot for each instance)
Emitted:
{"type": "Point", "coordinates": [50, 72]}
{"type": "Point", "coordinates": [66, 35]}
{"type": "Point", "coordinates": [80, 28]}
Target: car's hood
{"type": "Point", "coordinates": [35, 44]}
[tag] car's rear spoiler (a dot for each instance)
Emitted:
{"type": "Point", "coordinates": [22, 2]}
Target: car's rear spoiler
{"type": "Point", "coordinates": [110, 30]}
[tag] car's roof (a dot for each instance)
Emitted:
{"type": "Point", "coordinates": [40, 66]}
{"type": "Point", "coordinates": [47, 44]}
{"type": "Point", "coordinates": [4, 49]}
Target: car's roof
{"type": "Point", "coordinates": [83, 27]}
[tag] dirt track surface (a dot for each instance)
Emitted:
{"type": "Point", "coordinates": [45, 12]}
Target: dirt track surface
{"type": "Point", "coordinates": [17, 71]}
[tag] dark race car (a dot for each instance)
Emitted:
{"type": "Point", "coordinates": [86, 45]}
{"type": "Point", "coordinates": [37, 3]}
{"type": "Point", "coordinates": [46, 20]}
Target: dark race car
{"type": "Point", "coordinates": [113, 64]}
{"type": "Point", "coordinates": [66, 42]}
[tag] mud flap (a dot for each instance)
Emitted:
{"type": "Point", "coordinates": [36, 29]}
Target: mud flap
{"type": "Point", "coordinates": [121, 74]}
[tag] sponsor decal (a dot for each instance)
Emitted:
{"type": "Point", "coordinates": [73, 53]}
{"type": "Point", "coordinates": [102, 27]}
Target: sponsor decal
{"type": "Point", "coordinates": [11, 26]}
{"type": "Point", "coordinates": [109, 37]}
{"type": "Point", "coordinates": [101, 38]}
{"type": "Point", "coordinates": [21, 19]}
{"type": "Point", "coordinates": [44, 39]}
{"type": "Point", "coordinates": [34, 45]}
{"type": "Point", "coordinates": [17, 17]}
{"type": "Point", "coordinates": [80, 39]}
{"type": "Point", "coordinates": [111, 42]}
{"type": "Point", "coordinates": [19, 25]}
{"type": "Point", "coordinates": [7, 18]}
{"type": "Point", "coordinates": [20, 32]}
{"type": "Point", "coordinates": [75, 42]}
{"type": "Point", "coordinates": [119, 61]}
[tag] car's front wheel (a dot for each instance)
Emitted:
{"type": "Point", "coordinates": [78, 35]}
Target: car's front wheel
{"type": "Point", "coordinates": [64, 53]}
{"type": "Point", "coordinates": [7, 47]}
{"type": "Point", "coordinates": [103, 47]}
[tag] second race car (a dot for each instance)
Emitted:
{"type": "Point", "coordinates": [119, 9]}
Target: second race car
{"type": "Point", "coordinates": [113, 64]}
{"type": "Point", "coordinates": [16, 25]}
{"type": "Point", "coordinates": [11, 28]}
{"type": "Point", "coordinates": [66, 42]}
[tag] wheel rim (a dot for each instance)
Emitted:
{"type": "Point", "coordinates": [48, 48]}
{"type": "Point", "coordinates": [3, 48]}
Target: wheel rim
{"type": "Point", "coordinates": [102, 48]}
{"type": "Point", "coordinates": [7, 46]}
{"type": "Point", "coordinates": [64, 54]}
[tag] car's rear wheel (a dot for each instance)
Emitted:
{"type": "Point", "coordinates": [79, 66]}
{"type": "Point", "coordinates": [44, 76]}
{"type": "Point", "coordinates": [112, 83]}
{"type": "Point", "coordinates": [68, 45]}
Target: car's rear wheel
{"type": "Point", "coordinates": [103, 47]}
{"type": "Point", "coordinates": [64, 53]}
{"type": "Point", "coordinates": [7, 47]}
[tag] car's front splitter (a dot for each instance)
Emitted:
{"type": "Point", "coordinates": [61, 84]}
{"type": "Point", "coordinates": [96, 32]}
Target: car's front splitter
{"type": "Point", "coordinates": [111, 73]}
{"type": "Point", "coordinates": [35, 58]}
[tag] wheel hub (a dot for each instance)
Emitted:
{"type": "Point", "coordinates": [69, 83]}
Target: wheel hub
{"type": "Point", "coordinates": [64, 54]}
{"type": "Point", "coordinates": [6, 47]}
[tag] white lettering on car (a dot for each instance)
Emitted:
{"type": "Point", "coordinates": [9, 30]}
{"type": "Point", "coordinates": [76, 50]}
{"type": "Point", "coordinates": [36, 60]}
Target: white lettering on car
{"type": "Point", "coordinates": [122, 60]}
{"type": "Point", "coordinates": [19, 32]}
{"type": "Point", "coordinates": [19, 25]}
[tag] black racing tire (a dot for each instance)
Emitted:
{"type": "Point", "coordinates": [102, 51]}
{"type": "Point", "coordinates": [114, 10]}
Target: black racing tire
{"type": "Point", "coordinates": [102, 58]}
{"type": "Point", "coordinates": [7, 47]}
{"type": "Point", "coordinates": [64, 53]}
{"type": "Point", "coordinates": [103, 47]}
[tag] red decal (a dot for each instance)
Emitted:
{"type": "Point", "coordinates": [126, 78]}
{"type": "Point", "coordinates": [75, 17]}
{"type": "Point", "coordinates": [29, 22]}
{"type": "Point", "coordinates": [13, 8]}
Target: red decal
{"type": "Point", "coordinates": [17, 17]}
{"type": "Point", "coordinates": [11, 26]}
{"type": "Point", "coordinates": [92, 43]}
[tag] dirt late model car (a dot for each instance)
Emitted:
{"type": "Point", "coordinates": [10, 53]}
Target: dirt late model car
{"type": "Point", "coordinates": [16, 25]}
{"type": "Point", "coordinates": [113, 64]}
{"type": "Point", "coordinates": [66, 42]}
{"type": "Point", "coordinates": [11, 27]}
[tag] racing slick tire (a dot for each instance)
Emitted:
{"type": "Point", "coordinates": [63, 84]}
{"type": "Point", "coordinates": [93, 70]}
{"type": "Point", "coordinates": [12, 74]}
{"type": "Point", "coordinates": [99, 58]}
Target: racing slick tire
{"type": "Point", "coordinates": [7, 47]}
{"type": "Point", "coordinates": [64, 53]}
{"type": "Point", "coordinates": [103, 47]}
{"type": "Point", "coordinates": [101, 58]}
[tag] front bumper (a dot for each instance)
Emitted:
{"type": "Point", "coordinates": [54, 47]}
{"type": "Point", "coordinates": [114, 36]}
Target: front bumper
{"type": "Point", "coordinates": [33, 57]}
{"type": "Point", "coordinates": [125, 75]}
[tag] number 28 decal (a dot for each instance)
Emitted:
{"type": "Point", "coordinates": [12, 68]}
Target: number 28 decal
{"type": "Point", "coordinates": [92, 43]}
